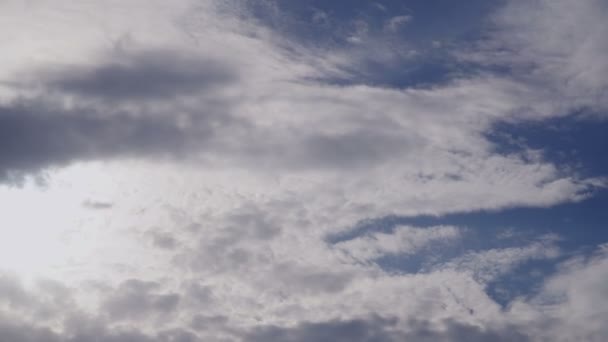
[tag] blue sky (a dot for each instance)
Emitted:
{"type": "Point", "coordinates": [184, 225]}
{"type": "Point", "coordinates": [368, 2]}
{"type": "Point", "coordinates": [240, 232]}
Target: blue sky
{"type": "Point", "coordinates": [276, 170]}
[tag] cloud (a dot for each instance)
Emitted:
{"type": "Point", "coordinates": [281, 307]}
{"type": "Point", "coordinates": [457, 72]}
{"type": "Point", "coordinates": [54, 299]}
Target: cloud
{"type": "Point", "coordinates": [403, 240]}
{"type": "Point", "coordinates": [155, 75]}
{"type": "Point", "coordinates": [227, 134]}
{"type": "Point", "coordinates": [376, 329]}
{"type": "Point", "coordinates": [364, 330]}
{"type": "Point", "coordinates": [395, 23]}
{"type": "Point", "coordinates": [164, 240]}
{"type": "Point", "coordinates": [557, 45]}
{"type": "Point", "coordinates": [97, 204]}
{"type": "Point", "coordinates": [43, 131]}
{"type": "Point", "coordinates": [264, 122]}
{"type": "Point", "coordinates": [135, 298]}
{"type": "Point", "coordinates": [24, 332]}
{"type": "Point", "coordinates": [384, 330]}
{"type": "Point", "coordinates": [488, 264]}
{"type": "Point", "coordinates": [13, 293]}
{"type": "Point", "coordinates": [456, 331]}
{"type": "Point", "coordinates": [570, 305]}
{"type": "Point", "coordinates": [44, 301]}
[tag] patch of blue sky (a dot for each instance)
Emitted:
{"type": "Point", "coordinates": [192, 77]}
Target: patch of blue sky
{"type": "Point", "coordinates": [401, 43]}
{"type": "Point", "coordinates": [433, 30]}
{"type": "Point", "coordinates": [578, 227]}
{"type": "Point", "coordinates": [523, 281]}
{"type": "Point", "coordinates": [428, 21]}
{"type": "Point", "coordinates": [581, 223]}
{"type": "Point", "coordinates": [576, 143]}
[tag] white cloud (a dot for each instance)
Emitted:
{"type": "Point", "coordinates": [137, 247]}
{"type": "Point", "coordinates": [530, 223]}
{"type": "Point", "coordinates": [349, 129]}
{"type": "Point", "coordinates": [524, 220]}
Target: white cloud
{"type": "Point", "coordinates": [394, 24]}
{"type": "Point", "coordinates": [571, 305]}
{"type": "Point", "coordinates": [487, 265]}
{"type": "Point", "coordinates": [403, 240]}
{"type": "Point", "coordinates": [559, 45]}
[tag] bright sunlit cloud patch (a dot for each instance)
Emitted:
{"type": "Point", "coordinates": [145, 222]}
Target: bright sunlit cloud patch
{"type": "Point", "coordinates": [50, 229]}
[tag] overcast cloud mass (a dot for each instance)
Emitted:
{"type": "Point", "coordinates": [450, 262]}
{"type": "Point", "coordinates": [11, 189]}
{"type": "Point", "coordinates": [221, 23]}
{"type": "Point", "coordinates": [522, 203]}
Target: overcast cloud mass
{"type": "Point", "coordinates": [270, 170]}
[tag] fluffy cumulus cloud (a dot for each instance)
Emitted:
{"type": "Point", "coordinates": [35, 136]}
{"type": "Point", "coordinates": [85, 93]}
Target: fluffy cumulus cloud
{"type": "Point", "coordinates": [198, 171]}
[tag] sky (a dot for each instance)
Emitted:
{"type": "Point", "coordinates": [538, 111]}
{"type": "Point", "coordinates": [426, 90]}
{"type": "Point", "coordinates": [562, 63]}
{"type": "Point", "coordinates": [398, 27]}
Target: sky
{"type": "Point", "coordinates": [274, 170]}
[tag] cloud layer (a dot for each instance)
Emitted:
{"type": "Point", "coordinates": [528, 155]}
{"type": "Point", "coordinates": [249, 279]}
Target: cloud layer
{"type": "Point", "coordinates": [194, 166]}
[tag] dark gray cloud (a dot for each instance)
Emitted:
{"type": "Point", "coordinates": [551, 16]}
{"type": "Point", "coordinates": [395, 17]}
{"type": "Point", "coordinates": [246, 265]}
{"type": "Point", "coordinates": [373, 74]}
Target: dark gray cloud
{"type": "Point", "coordinates": [198, 294]}
{"type": "Point", "coordinates": [129, 107]}
{"type": "Point", "coordinates": [162, 239]}
{"type": "Point", "coordinates": [43, 131]}
{"type": "Point", "coordinates": [16, 332]}
{"type": "Point", "coordinates": [147, 75]}
{"type": "Point", "coordinates": [136, 299]}
{"type": "Point", "coordinates": [353, 149]}
{"type": "Point", "coordinates": [375, 329]}
{"type": "Point", "coordinates": [85, 330]}
{"type": "Point", "coordinates": [300, 149]}
{"type": "Point", "coordinates": [378, 329]}
{"type": "Point", "coordinates": [208, 323]}
{"type": "Point", "coordinates": [50, 301]}
{"type": "Point", "coordinates": [12, 292]}
{"type": "Point", "coordinates": [35, 135]}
